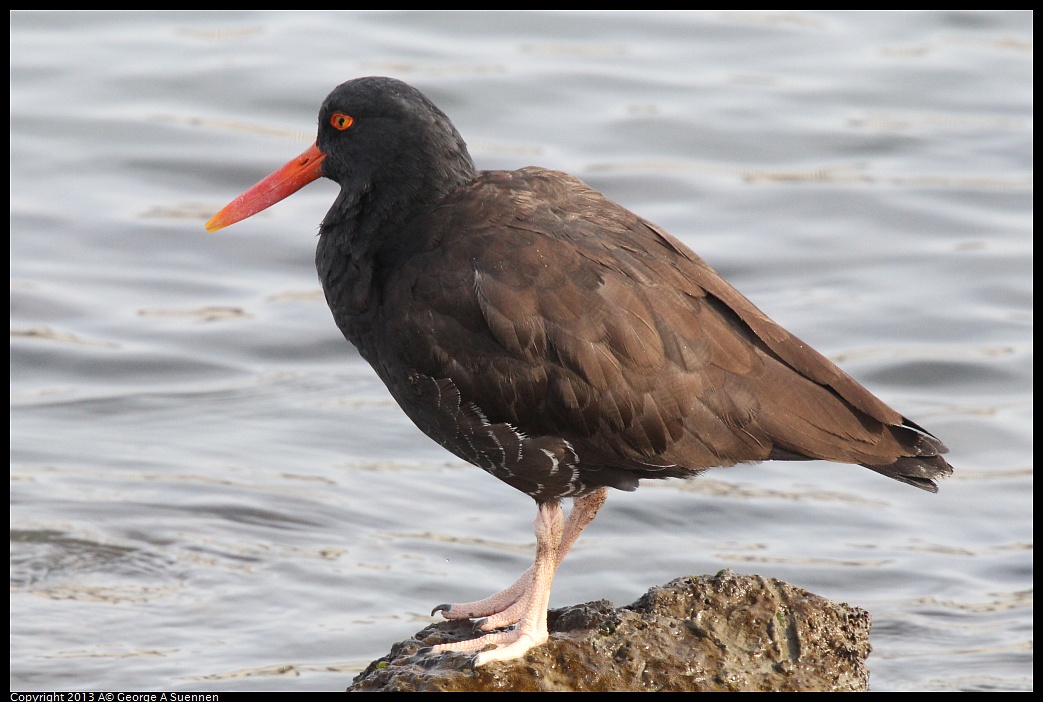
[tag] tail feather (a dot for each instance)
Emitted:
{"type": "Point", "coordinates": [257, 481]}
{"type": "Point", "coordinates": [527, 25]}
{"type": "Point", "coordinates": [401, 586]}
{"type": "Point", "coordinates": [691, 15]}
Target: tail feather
{"type": "Point", "coordinates": [925, 465]}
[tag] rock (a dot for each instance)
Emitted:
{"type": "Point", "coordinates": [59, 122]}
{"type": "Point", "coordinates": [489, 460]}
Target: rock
{"type": "Point", "coordinates": [713, 633]}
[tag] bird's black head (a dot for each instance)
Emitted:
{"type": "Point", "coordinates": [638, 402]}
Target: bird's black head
{"type": "Point", "coordinates": [390, 149]}
{"type": "Point", "coordinates": [382, 133]}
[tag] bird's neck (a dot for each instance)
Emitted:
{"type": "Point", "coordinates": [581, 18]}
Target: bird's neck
{"type": "Point", "coordinates": [370, 229]}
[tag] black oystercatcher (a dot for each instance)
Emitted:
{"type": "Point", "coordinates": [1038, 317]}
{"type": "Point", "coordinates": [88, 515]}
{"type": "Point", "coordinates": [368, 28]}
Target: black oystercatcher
{"type": "Point", "coordinates": [544, 333]}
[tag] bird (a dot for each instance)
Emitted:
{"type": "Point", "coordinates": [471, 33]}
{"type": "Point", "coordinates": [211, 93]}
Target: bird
{"type": "Point", "coordinates": [546, 334]}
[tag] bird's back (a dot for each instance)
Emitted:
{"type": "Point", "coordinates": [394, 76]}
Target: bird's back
{"type": "Point", "coordinates": [549, 335]}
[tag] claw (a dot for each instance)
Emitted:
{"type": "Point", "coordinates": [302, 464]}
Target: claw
{"type": "Point", "coordinates": [441, 608]}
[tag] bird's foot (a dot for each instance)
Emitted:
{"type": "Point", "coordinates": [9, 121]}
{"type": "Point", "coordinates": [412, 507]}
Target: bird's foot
{"type": "Point", "coordinates": [523, 604]}
{"type": "Point", "coordinates": [508, 606]}
{"type": "Point", "coordinates": [502, 609]}
{"type": "Point", "coordinates": [510, 644]}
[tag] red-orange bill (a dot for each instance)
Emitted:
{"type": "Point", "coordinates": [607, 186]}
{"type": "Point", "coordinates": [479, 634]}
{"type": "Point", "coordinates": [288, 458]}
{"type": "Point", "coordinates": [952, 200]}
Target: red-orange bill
{"type": "Point", "coordinates": [277, 186]}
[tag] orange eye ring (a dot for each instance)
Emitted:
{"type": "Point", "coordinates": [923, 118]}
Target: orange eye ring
{"type": "Point", "coordinates": [341, 121]}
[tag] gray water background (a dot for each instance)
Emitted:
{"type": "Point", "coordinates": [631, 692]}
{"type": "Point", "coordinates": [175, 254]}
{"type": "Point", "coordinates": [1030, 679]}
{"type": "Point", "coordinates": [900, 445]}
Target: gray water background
{"type": "Point", "coordinates": [211, 490]}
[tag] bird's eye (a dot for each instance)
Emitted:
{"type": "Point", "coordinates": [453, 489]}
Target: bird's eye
{"type": "Point", "coordinates": [341, 121]}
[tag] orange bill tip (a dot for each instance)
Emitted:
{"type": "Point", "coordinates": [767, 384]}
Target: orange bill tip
{"type": "Point", "coordinates": [278, 186]}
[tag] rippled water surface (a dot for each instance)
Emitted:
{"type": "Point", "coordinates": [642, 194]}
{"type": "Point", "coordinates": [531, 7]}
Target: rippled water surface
{"type": "Point", "coordinates": [211, 490]}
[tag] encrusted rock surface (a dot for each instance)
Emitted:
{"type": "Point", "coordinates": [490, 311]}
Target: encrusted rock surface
{"type": "Point", "coordinates": [710, 633]}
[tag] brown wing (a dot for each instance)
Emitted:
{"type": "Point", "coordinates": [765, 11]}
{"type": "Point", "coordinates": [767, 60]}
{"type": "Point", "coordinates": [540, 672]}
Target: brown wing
{"type": "Point", "coordinates": [608, 334]}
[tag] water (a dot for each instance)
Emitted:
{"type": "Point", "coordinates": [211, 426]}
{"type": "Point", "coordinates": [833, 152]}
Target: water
{"type": "Point", "coordinates": [210, 489]}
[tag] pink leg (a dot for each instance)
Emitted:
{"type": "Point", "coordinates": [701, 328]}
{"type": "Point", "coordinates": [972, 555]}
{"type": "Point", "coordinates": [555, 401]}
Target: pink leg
{"type": "Point", "coordinates": [525, 602]}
